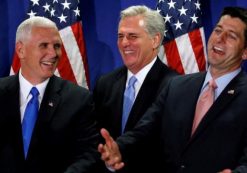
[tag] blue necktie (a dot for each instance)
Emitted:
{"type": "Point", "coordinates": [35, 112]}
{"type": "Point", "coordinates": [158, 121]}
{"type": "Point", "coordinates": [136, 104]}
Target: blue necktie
{"type": "Point", "coordinates": [30, 116]}
{"type": "Point", "coordinates": [129, 97]}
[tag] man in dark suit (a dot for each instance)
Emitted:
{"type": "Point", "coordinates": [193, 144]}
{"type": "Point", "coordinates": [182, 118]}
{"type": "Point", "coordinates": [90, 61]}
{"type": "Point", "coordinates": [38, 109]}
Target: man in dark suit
{"type": "Point", "coordinates": [219, 142]}
{"type": "Point", "coordinates": [140, 34]}
{"type": "Point", "coordinates": [64, 137]}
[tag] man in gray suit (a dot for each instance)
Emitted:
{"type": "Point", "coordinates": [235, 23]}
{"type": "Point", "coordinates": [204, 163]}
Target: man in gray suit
{"type": "Point", "coordinates": [219, 143]}
{"type": "Point", "coordinates": [64, 137]}
{"type": "Point", "coordinates": [140, 34]}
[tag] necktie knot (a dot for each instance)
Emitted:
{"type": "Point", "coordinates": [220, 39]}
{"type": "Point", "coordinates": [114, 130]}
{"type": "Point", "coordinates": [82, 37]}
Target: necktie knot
{"type": "Point", "coordinates": [212, 84]}
{"type": "Point", "coordinates": [132, 81]}
{"type": "Point", "coordinates": [34, 91]}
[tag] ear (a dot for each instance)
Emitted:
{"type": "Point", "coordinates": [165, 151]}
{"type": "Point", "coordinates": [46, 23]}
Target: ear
{"type": "Point", "coordinates": [244, 56]}
{"type": "Point", "coordinates": [19, 49]}
{"type": "Point", "coordinates": [156, 40]}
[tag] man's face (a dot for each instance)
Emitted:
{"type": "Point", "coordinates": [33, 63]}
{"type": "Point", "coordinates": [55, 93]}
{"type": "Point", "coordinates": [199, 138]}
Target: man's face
{"type": "Point", "coordinates": [39, 54]}
{"type": "Point", "coordinates": [226, 44]}
{"type": "Point", "coordinates": [135, 45]}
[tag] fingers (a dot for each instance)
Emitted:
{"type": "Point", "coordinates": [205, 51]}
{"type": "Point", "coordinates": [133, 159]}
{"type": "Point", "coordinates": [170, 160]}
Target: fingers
{"type": "Point", "coordinates": [118, 166]}
{"type": "Point", "coordinates": [108, 139]}
{"type": "Point", "coordinates": [110, 153]}
{"type": "Point", "coordinates": [226, 171]}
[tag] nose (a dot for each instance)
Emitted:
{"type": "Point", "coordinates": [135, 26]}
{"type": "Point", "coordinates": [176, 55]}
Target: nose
{"type": "Point", "coordinates": [222, 37]}
{"type": "Point", "coordinates": [124, 41]}
{"type": "Point", "coordinates": [52, 51]}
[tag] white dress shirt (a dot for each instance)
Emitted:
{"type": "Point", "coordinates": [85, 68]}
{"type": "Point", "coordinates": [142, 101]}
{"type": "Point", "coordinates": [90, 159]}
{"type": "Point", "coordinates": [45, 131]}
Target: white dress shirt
{"type": "Point", "coordinates": [140, 76]}
{"type": "Point", "coordinates": [25, 96]}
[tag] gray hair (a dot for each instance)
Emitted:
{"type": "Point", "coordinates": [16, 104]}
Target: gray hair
{"type": "Point", "coordinates": [24, 29]}
{"type": "Point", "coordinates": [153, 21]}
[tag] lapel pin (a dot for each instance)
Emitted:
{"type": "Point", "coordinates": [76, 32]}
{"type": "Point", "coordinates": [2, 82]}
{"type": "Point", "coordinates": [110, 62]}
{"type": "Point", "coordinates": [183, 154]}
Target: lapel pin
{"type": "Point", "coordinates": [50, 104]}
{"type": "Point", "coordinates": [230, 92]}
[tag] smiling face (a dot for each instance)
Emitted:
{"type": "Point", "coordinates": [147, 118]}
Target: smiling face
{"type": "Point", "coordinates": [136, 46]}
{"type": "Point", "coordinates": [39, 54]}
{"type": "Point", "coordinates": [226, 46]}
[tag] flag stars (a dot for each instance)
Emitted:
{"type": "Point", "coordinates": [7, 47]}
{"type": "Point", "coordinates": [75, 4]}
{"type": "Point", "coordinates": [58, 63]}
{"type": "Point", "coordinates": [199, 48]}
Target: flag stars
{"type": "Point", "coordinates": [182, 11]}
{"type": "Point", "coordinates": [31, 14]}
{"type": "Point", "coordinates": [46, 7]}
{"type": "Point", "coordinates": [197, 4]}
{"type": "Point", "coordinates": [55, 1]}
{"type": "Point", "coordinates": [62, 18]}
{"type": "Point", "coordinates": [178, 25]}
{"type": "Point", "coordinates": [167, 18]}
{"type": "Point", "coordinates": [171, 4]}
{"type": "Point", "coordinates": [66, 5]}
{"type": "Point", "coordinates": [165, 32]}
{"type": "Point", "coordinates": [194, 18]}
{"type": "Point", "coordinates": [158, 10]}
{"type": "Point", "coordinates": [77, 12]}
{"type": "Point", "coordinates": [35, 2]}
{"type": "Point", "coordinates": [52, 12]}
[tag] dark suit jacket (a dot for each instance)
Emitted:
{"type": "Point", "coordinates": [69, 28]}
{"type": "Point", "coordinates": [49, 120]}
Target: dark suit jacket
{"type": "Point", "coordinates": [219, 142]}
{"type": "Point", "coordinates": [64, 138]}
{"type": "Point", "coordinates": [108, 96]}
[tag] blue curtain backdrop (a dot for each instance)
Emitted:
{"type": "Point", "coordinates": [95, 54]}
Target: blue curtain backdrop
{"type": "Point", "coordinates": [100, 20]}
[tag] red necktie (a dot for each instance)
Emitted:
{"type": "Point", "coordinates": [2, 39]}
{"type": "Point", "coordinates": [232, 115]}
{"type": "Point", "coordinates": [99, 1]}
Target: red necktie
{"type": "Point", "coordinates": [204, 102]}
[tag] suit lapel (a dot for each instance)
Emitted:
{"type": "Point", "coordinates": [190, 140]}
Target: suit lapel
{"type": "Point", "coordinates": [48, 106]}
{"type": "Point", "coordinates": [190, 90]}
{"type": "Point", "coordinates": [118, 93]}
{"type": "Point", "coordinates": [50, 100]}
{"type": "Point", "coordinates": [146, 94]}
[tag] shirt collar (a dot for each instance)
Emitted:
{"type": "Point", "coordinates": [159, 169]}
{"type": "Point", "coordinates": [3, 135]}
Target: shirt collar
{"type": "Point", "coordinates": [140, 76]}
{"type": "Point", "coordinates": [26, 86]}
{"type": "Point", "coordinates": [221, 81]}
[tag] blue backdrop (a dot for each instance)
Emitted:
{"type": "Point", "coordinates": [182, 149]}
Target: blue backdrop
{"type": "Point", "coordinates": [100, 20]}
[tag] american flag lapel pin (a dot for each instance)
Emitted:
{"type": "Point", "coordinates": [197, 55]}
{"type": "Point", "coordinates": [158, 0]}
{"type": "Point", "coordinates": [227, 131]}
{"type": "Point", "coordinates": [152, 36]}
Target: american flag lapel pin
{"type": "Point", "coordinates": [230, 91]}
{"type": "Point", "coordinates": [50, 104]}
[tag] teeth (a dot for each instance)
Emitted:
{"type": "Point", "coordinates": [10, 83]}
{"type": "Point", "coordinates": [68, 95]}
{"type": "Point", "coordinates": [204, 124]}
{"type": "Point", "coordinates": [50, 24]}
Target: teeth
{"type": "Point", "coordinates": [128, 52]}
{"type": "Point", "coordinates": [218, 49]}
{"type": "Point", "coordinates": [48, 63]}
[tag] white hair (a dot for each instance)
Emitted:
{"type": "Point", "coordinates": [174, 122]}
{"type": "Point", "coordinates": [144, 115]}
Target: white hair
{"type": "Point", "coordinates": [24, 29]}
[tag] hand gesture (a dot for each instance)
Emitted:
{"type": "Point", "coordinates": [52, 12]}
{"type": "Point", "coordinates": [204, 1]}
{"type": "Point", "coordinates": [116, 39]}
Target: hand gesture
{"type": "Point", "coordinates": [110, 153]}
{"type": "Point", "coordinates": [226, 171]}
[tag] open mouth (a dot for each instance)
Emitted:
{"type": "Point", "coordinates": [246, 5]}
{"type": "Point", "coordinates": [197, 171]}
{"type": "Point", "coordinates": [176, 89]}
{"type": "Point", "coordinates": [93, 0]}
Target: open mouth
{"type": "Point", "coordinates": [218, 50]}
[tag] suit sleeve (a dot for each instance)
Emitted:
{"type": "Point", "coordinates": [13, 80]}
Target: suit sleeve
{"type": "Point", "coordinates": [86, 137]}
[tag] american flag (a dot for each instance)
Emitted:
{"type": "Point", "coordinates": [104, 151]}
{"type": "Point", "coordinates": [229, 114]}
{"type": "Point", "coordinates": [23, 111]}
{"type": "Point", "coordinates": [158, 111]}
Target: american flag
{"type": "Point", "coordinates": [184, 43]}
{"type": "Point", "coordinates": [66, 14]}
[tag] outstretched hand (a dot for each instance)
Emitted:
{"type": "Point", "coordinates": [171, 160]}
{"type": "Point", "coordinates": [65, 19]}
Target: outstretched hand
{"type": "Point", "coordinates": [226, 171]}
{"type": "Point", "coordinates": [110, 153]}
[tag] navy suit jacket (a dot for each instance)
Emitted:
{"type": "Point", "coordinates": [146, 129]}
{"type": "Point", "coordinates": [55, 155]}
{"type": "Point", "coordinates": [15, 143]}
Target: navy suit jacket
{"type": "Point", "coordinates": [219, 142]}
{"type": "Point", "coordinates": [108, 96]}
{"type": "Point", "coordinates": [64, 138]}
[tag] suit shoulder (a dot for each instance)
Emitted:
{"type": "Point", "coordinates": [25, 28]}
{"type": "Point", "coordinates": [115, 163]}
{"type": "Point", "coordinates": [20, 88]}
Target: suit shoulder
{"type": "Point", "coordinates": [109, 78]}
{"type": "Point", "coordinates": [114, 74]}
{"type": "Point", "coordinates": [71, 88]}
{"type": "Point", "coordinates": [6, 81]}
{"type": "Point", "coordinates": [186, 78]}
